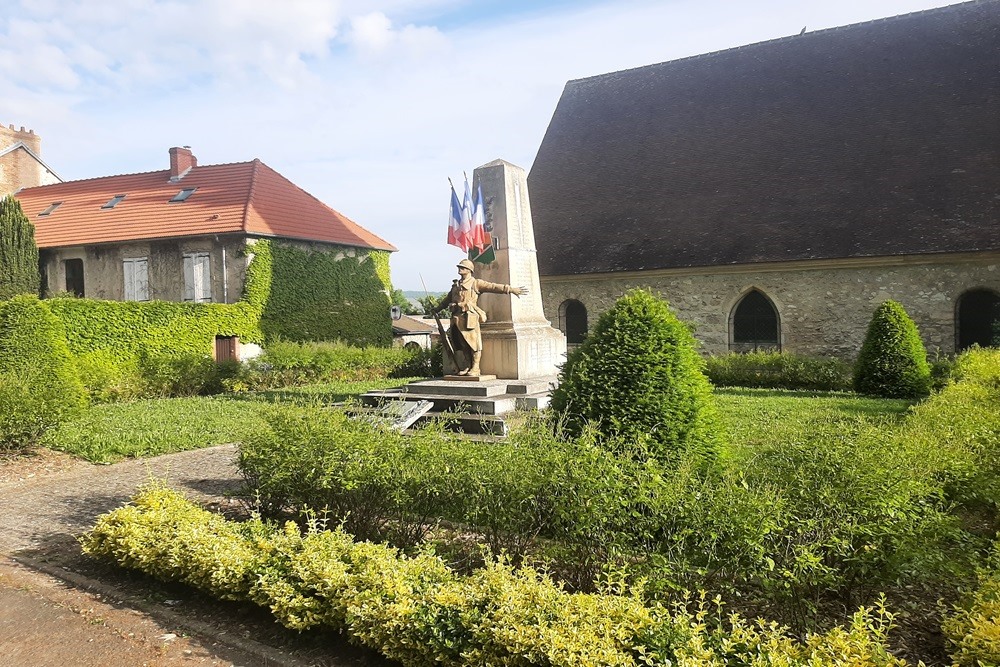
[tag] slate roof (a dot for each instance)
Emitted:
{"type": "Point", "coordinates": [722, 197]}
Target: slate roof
{"type": "Point", "coordinates": [876, 139]}
{"type": "Point", "coordinates": [243, 197]}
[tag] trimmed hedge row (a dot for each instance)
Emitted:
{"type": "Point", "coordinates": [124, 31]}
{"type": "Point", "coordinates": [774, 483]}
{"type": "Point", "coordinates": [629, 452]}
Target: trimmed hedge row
{"type": "Point", "coordinates": [39, 384]}
{"type": "Point", "coordinates": [778, 370]}
{"type": "Point", "coordinates": [418, 611]}
{"type": "Point", "coordinates": [288, 364]}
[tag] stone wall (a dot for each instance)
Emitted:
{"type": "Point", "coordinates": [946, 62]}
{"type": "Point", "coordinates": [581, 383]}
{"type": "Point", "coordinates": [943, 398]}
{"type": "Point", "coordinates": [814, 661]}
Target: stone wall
{"type": "Point", "coordinates": [823, 307]}
{"type": "Point", "coordinates": [18, 168]}
{"type": "Point", "coordinates": [104, 274]}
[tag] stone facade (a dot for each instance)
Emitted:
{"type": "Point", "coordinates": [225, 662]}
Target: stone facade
{"type": "Point", "coordinates": [823, 306]}
{"type": "Point", "coordinates": [20, 168]}
{"type": "Point", "coordinates": [104, 273]}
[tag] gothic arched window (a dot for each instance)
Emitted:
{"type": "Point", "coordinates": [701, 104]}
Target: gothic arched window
{"type": "Point", "coordinates": [755, 324]}
{"type": "Point", "coordinates": [977, 319]}
{"type": "Point", "coordinates": [573, 321]}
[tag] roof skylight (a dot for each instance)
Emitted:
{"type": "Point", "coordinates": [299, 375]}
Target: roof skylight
{"type": "Point", "coordinates": [183, 194]}
{"type": "Point", "coordinates": [51, 208]}
{"type": "Point", "coordinates": [114, 201]}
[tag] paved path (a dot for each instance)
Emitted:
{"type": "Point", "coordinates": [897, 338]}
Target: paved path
{"type": "Point", "coordinates": [53, 612]}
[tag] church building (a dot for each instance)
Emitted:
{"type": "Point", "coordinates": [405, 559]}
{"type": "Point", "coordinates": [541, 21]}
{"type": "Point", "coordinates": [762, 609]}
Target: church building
{"type": "Point", "coordinates": [775, 194]}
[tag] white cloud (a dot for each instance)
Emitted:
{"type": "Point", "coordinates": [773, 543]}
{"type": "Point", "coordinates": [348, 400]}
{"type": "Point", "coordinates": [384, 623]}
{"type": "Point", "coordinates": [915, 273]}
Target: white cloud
{"type": "Point", "coordinates": [374, 35]}
{"type": "Point", "coordinates": [364, 103]}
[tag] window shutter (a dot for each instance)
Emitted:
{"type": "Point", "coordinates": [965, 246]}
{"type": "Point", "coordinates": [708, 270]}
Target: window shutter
{"type": "Point", "coordinates": [204, 278]}
{"type": "Point", "coordinates": [136, 279]}
{"type": "Point", "coordinates": [128, 268]}
{"type": "Point", "coordinates": [188, 278]}
{"type": "Point", "coordinates": [142, 280]}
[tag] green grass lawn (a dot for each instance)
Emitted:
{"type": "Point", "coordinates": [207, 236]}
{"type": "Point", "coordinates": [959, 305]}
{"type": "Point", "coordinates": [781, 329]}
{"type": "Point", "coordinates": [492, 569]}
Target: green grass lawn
{"type": "Point", "coordinates": [754, 417]}
{"type": "Point", "coordinates": [112, 432]}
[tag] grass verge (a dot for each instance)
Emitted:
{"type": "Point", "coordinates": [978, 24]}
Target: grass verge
{"type": "Point", "coordinates": [111, 432]}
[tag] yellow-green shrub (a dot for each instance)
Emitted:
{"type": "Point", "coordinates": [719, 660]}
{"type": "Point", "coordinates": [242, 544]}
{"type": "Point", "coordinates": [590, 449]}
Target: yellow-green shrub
{"type": "Point", "coordinates": [417, 611]}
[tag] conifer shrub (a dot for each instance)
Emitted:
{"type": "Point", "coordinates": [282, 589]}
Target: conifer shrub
{"type": "Point", "coordinates": [893, 361]}
{"type": "Point", "coordinates": [18, 251]}
{"type": "Point", "coordinates": [39, 384]}
{"type": "Point", "coordinates": [639, 377]}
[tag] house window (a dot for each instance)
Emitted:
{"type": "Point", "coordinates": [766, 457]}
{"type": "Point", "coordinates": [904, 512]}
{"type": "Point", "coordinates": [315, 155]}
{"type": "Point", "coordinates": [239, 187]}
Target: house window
{"type": "Point", "coordinates": [183, 195]}
{"type": "Point", "coordinates": [74, 276]}
{"type": "Point", "coordinates": [755, 324]}
{"type": "Point", "coordinates": [136, 270]}
{"type": "Point", "coordinates": [978, 319]}
{"type": "Point", "coordinates": [114, 201]}
{"type": "Point", "coordinates": [52, 207]}
{"type": "Point", "coordinates": [197, 277]}
{"type": "Point", "coordinates": [573, 321]}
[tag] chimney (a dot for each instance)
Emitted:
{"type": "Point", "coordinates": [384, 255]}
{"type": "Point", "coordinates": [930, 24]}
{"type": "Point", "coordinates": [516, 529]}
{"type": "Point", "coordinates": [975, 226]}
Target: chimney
{"type": "Point", "coordinates": [181, 161]}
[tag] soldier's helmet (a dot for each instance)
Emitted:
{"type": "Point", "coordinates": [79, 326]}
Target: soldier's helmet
{"type": "Point", "coordinates": [467, 264]}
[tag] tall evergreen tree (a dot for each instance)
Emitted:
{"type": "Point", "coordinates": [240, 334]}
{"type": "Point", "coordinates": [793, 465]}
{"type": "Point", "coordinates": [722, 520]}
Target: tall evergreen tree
{"type": "Point", "coordinates": [18, 251]}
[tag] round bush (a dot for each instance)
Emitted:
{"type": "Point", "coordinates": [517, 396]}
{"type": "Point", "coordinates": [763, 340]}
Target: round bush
{"type": "Point", "coordinates": [893, 361]}
{"type": "Point", "coordinates": [39, 384]}
{"type": "Point", "coordinates": [637, 378]}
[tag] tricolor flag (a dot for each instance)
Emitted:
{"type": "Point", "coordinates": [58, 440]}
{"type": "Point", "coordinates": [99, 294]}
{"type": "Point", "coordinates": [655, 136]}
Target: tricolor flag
{"type": "Point", "coordinates": [482, 242]}
{"type": "Point", "coordinates": [456, 235]}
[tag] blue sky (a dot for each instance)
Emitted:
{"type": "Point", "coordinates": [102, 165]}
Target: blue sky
{"type": "Point", "coordinates": [370, 105]}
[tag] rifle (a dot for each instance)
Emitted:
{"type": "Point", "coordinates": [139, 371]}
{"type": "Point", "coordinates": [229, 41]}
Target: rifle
{"type": "Point", "coordinates": [445, 338]}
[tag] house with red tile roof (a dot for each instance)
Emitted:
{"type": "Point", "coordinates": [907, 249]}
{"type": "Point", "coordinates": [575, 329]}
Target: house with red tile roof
{"type": "Point", "coordinates": [185, 233]}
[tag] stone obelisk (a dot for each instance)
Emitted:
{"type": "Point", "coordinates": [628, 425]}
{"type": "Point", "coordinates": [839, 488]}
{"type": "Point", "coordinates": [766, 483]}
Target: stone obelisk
{"type": "Point", "coordinates": [518, 342]}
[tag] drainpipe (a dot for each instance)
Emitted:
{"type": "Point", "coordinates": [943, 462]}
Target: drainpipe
{"type": "Point", "coordinates": [225, 277]}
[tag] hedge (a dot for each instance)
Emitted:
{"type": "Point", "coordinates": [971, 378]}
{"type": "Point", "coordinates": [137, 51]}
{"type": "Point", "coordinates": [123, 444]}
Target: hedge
{"type": "Point", "coordinates": [39, 384]}
{"type": "Point", "coordinates": [418, 611]}
{"type": "Point", "coordinates": [778, 370]}
{"type": "Point", "coordinates": [638, 376]}
{"type": "Point", "coordinates": [892, 362]}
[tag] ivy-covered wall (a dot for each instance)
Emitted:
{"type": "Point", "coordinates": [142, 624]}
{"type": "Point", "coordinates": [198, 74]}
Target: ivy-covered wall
{"type": "Point", "coordinates": [296, 292]}
{"type": "Point", "coordinates": [125, 329]}
{"type": "Point", "coordinates": [315, 294]}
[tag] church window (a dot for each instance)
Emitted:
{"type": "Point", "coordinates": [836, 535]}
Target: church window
{"type": "Point", "coordinates": [978, 319]}
{"type": "Point", "coordinates": [755, 324]}
{"type": "Point", "coordinates": [573, 321]}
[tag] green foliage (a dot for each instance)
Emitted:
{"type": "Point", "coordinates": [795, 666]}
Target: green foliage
{"type": "Point", "coordinates": [973, 628]}
{"type": "Point", "coordinates": [893, 361]}
{"type": "Point", "coordinates": [429, 302]}
{"type": "Point", "coordinates": [39, 384]}
{"type": "Point", "coordinates": [110, 432]}
{"type": "Point", "coordinates": [417, 611]}
{"type": "Point", "coordinates": [638, 376]}
{"type": "Point", "coordinates": [324, 296]}
{"type": "Point", "coordinates": [18, 251]}
{"type": "Point", "coordinates": [129, 349]}
{"type": "Point", "coordinates": [959, 432]}
{"type": "Point", "coordinates": [778, 370]}
{"type": "Point", "coordinates": [289, 364]}
{"type": "Point", "coordinates": [398, 298]}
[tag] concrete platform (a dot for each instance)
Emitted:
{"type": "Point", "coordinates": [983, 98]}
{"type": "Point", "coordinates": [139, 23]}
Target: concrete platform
{"type": "Point", "coordinates": [473, 406]}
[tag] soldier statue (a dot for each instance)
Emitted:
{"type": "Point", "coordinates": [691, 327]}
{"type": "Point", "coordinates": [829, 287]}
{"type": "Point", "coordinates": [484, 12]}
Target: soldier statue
{"type": "Point", "coordinates": [467, 316]}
